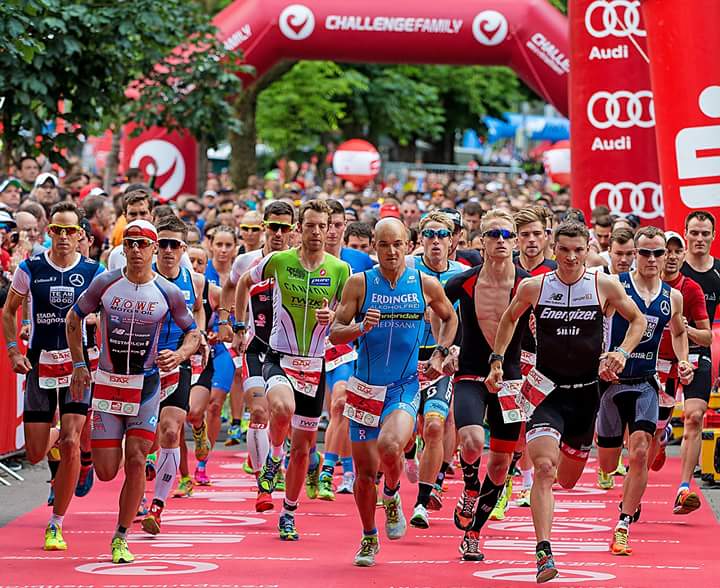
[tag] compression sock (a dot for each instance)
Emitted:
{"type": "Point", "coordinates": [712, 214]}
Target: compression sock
{"type": "Point", "coordinates": [489, 494]}
{"type": "Point", "coordinates": [328, 466]}
{"type": "Point", "coordinates": [168, 461]}
{"type": "Point", "coordinates": [347, 464]}
{"type": "Point", "coordinates": [258, 442]}
{"type": "Point", "coordinates": [470, 474]}
{"type": "Point", "coordinates": [424, 490]}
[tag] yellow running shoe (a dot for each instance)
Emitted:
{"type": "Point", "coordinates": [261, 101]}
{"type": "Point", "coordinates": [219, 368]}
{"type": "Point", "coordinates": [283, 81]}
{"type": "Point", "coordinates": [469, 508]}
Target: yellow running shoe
{"type": "Point", "coordinates": [620, 470]}
{"type": "Point", "coordinates": [498, 513]}
{"type": "Point", "coordinates": [53, 538]}
{"type": "Point", "coordinates": [605, 481]}
{"type": "Point", "coordinates": [619, 546]}
{"type": "Point", "coordinates": [202, 443]}
{"type": "Point", "coordinates": [120, 551]}
{"type": "Point", "coordinates": [184, 487]}
{"type": "Point", "coordinates": [524, 498]}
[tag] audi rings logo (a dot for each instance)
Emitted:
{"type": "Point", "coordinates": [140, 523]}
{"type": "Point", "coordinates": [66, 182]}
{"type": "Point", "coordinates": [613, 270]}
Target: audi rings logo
{"type": "Point", "coordinates": [643, 199]}
{"type": "Point", "coordinates": [296, 22]}
{"type": "Point", "coordinates": [161, 159]}
{"type": "Point", "coordinates": [622, 109]}
{"type": "Point", "coordinates": [616, 18]}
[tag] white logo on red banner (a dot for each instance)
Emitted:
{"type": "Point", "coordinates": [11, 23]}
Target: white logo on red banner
{"type": "Point", "coordinates": [507, 575]}
{"type": "Point", "coordinates": [559, 527]}
{"type": "Point", "coordinates": [625, 198]}
{"type": "Point", "coordinates": [617, 18]}
{"type": "Point", "coordinates": [490, 28]}
{"type": "Point", "coordinates": [154, 567]}
{"type": "Point", "coordinates": [296, 22]}
{"type": "Point", "coordinates": [165, 158]}
{"type": "Point", "coordinates": [621, 109]}
{"type": "Point", "coordinates": [210, 520]}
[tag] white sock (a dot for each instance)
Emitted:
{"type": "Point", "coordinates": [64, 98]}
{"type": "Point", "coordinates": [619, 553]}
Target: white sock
{"type": "Point", "coordinates": [278, 452]}
{"type": "Point", "coordinates": [527, 478]}
{"type": "Point", "coordinates": [258, 442]}
{"type": "Point", "coordinates": [56, 520]}
{"type": "Point", "coordinates": [168, 461]}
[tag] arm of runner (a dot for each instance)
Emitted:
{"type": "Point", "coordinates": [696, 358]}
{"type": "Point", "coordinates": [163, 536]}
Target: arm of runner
{"type": "Point", "coordinates": [344, 329]}
{"type": "Point", "coordinates": [440, 306]}
{"type": "Point", "coordinates": [20, 363]}
{"type": "Point", "coordinates": [695, 308]}
{"type": "Point", "coordinates": [679, 337]}
{"type": "Point", "coordinates": [80, 380]}
{"type": "Point", "coordinates": [198, 314]}
{"type": "Point", "coordinates": [526, 295]}
{"type": "Point", "coordinates": [227, 300]}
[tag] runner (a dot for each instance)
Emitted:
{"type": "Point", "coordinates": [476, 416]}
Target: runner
{"type": "Point", "coordinates": [622, 251]}
{"type": "Point", "coordinates": [174, 384]}
{"type": "Point", "coordinates": [385, 307]}
{"type": "Point", "coordinates": [631, 400]}
{"type": "Point", "coordinates": [435, 393]}
{"type": "Point", "coordinates": [126, 394]}
{"type": "Point", "coordinates": [307, 282]}
{"type": "Point", "coordinates": [51, 282]}
{"type": "Point", "coordinates": [705, 270]}
{"type": "Point", "coordinates": [136, 205]}
{"type": "Point", "coordinates": [467, 257]}
{"type": "Point", "coordinates": [569, 305]}
{"type": "Point", "coordinates": [483, 293]}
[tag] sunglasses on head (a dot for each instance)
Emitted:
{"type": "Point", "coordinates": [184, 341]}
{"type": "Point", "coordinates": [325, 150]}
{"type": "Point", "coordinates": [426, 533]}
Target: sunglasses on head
{"type": "Point", "coordinates": [171, 243]}
{"type": "Point", "coordinates": [497, 233]}
{"type": "Point", "coordinates": [651, 252]}
{"type": "Point", "coordinates": [68, 230]}
{"type": "Point", "coordinates": [140, 243]}
{"type": "Point", "coordinates": [277, 226]}
{"type": "Point", "coordinates": [432, 233]}
{"type": "Point", "coordinates": [251, 228]}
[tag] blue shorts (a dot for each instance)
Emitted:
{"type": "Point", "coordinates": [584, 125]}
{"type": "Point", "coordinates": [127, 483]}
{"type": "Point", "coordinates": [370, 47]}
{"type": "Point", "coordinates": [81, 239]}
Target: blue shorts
{"type": "Point", "coordinates": [341, 373]}
{"type": "Point", "coordinates": [404, 397]}
{"type": "Point", "coordinates": [224, 369]}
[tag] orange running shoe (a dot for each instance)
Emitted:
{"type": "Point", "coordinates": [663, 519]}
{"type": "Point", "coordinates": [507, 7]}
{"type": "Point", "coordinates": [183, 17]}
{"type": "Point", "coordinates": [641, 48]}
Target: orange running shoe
{"type": "Point", "coordinates": [686, 502]}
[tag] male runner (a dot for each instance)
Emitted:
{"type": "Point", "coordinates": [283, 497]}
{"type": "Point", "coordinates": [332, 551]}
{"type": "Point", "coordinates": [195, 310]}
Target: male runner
{"type": "Point", "coordinates": [622, 251]}
{"type": "Point", "coordinates": [569, 305]}
{"type": "Point", "coordinates": [436, 393]}
{"type": "Point", "coordinates": [307, 281]}
{"type": "Point", "coordinates": [385, 307]}
{"type": "Point", "coordinates": [631, 400]}
{"type": "Point", "coordinates": [51, 281]}
{"type": "Point", "coordinates": [484, 293]}
{"type": "Point", "coordinates": [174, 384]}
{"type": "Point", "coordinates": [133, 303]}
{"type": "Point", "coordinates": [705, 270]}
{"type": "Point", "coordinates": [467, 257]}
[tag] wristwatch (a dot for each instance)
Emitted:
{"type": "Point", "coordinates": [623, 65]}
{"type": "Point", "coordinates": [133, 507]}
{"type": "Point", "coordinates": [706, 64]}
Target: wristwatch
{"type": "Point", "coordinates": [496, 357]}
{"type": "Point", "coordinates": [444, 351]}
{"type": "Point", "coordinates": [238, 326]}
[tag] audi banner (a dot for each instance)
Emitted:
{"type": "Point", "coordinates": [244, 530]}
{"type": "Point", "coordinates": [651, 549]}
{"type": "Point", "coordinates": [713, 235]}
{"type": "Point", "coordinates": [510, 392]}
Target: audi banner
{"type": "Point", "coordinates": [685, 67]}
{"type": "Point", "coordinates": [612, 120]}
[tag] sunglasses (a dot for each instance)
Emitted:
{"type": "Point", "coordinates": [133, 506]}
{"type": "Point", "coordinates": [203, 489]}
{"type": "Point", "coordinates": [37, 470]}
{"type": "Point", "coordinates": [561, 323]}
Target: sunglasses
{"type": "Point", "coordinates": [138, 243]}
{"type": "Point", "coordinates": [497, 233]}
{"type": "Point", "coordinates": [276, 226]}
{"type": "Point", "coordinates": [432, 233]}
{"type": "Point", "coordinates": [225, 209]}
{"type": "Point", "coordinates": [651, 252]}
{"type": "Point", "coordinates": [251, 228]}
{"type": "Point", "coordinates": [69, 230]}
{"type": "Point", "coordinates": [171, 243]}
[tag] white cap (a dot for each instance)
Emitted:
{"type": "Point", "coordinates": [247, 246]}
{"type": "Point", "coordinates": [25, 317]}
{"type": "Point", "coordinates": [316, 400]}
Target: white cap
{"type": "Point", "coordinates": [673, 235]}
{"type": "Point", "coordinates": [44, 177]}
{"type": "Point", "coordinates": [97, 191]}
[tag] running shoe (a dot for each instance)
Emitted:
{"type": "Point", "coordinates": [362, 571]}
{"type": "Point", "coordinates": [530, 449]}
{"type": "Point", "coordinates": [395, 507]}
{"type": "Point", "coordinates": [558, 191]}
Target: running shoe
{"type": "Point", "coordinates": [266, 479]}
{"type": "Point", "coordinates": [151, 522]}
{"type": "Point", "coordinates": [546, 569]}
{"type": "Point", "coordinates": [435, 502]}
{"type": "Point", "coordinates": [234, 435]}
{"type": "Point", "coordinates": [686, 502]}
{"type": "Point", "coordinates": [263, 502]}
{"type": "Point", "coordinates": [620, 470]}
{"type": "Point", "coordinates": [247, 466]}
{"type": "Point", "coordinates": [324, 422]}
{"type": "Point", "coordinates": [619, 545]}
{"type": "Point", "coordinates": [312, 480]}
{"type": "Point", "coordinates": [470, 547]}
{"type": "Point", "coordinates": [280, 480]}
{"type": "Point", "coordinates": [369, 548]}
{"type": "Point", "coordinates": [143, 508]}
{"type": "Point", "coordinates": [503, 503]}
{"type": "Point", "coordinates": [53, 538]}
{"type": "Point", "coordinates": [51, 495]}
{"type": "Point", "coordinates": [412, 470]}
{"type": "Point", "coordinates": [120, 551]}
{"type": "Point", "coordinates": [465, 509]}
{"type": "Point", "coordinates": [201, 477]}
{"type": "Point", "coordinates": [395, 524]}
{"type": "Point", "coordinates": [85, 481]}
{"type": "Point", "coordinates": [420, 519]}
{"type": "Point", "coordinates": [150, 472]}
{"type": "Point", "coordinates": [524, 498]}
{"type": "Point", "coordinates": [347, 484]}
{"type": "Point", "coordinates": [325, 487]}
{"type": "Point", "coordinates": [605, 481]}
{"type": "Point", "coordinates": [659, 460]}
{"type": "Point", "coordinates": [287, 529]}
{"type": "Point", "coordinates": [184, 487]}
{"type": "Point", "coordinates": [202, 443]}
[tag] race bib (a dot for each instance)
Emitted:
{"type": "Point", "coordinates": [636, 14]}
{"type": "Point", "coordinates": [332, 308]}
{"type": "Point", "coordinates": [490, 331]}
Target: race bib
{"type": "Point", "coordinates": [527, 362]}
{"type": "Point", "coordinates": [364, 402]}
{"type": "Point", "coordinates": [664, 366]}
{"type": "Point", "coordinates": [337, 355]}
{"type": "Point", "coordinates": [694, 359]}
{"type": "Point", "coordinates": [424, 381]}
{"type": "Point", "coordinates": [303, 372]}
{"type": "Point", "coordinates": [508, 397]}
{"type": "Point", "coordinates": [534, 390]}
{"type": "Point", "coordinates": [169, 382]}
{"type": "Point", "coordinates": [117, 393]}
{"type": "Point", "coordinates": [93, 357]}
{"type": "Point", "coordinates": [55, 369]}
{"type": "Point", "coordinates": [196, 366]}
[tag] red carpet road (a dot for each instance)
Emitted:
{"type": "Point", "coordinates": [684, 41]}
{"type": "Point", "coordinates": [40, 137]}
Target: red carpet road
{"type": "Point", "coordinates": [215, 539]}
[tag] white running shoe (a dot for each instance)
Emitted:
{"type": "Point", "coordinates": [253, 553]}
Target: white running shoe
{"type": "Point", "coordinates": [346, 486]}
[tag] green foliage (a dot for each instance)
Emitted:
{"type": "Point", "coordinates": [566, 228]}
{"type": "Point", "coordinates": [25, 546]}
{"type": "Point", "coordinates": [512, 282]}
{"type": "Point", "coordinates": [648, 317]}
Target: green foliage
{"type": "Point", "coordinates": [560, 4]}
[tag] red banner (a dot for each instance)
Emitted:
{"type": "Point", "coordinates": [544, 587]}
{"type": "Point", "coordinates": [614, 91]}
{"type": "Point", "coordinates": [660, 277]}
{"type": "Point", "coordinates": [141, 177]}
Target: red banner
{"type": "Point", "coordinates": [685, 67]}
{"type": "Point", "coordinates": [612, 123]}
{"type": "Point", "coordinates": [11, 404]}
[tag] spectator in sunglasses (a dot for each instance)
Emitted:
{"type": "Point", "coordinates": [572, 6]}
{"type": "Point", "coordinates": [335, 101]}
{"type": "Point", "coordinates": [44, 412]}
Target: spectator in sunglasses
{"type": "Point", "coordinates": [251, 232]}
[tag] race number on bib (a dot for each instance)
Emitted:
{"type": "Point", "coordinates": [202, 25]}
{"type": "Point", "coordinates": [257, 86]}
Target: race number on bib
{"type": "Point", "coordinates": [337, 355]}
{"type": "Point", "coordinates": [364, 402]}
{"type": "Point", "coordinates": [117, 393]}
{"type": "Point", "coordinates": [169, 382]}
{"type": "Point", "coordinates": [303, 372]}
{"type": "Point", "coordinates": [55, 369]}
{"type": "Point", "coordinates": [196, 366]}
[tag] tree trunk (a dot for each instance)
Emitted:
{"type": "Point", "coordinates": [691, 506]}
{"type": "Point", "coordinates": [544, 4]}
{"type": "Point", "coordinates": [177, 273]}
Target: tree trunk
{"type": "Point", "coordinates": [203, 166]}
{"type": "Point", "coordinates": [243, 163]}
{"type": "Point", "coordinates": [113, 159]}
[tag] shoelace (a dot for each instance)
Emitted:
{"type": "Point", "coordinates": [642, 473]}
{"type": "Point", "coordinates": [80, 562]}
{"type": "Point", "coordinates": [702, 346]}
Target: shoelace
{"type": "Point", "coordinates": [287, 524]}
{"type": "Point", "coordinates": [392, 511]}
{"type": "Point", "coordinates": [545, 561]}
{"type": "Point", "coordinates": [621, 537]}
{"type": "Point", "coordinates": [367, 546]}
{"type": "Point", "coordinates": [468, 504]}
{"type": "Point", "coordinates": [271, 470]}
{"type": "Point", "coordinates": [472, 544]}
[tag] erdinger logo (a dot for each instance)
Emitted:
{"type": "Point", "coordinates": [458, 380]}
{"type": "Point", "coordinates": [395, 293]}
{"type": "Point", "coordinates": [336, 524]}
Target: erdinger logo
{"type": "Point", "coordinates": [165, 162]}
{"type": "Point", "coordinates": [616, 18]}
{"type": "Point", "coordinates": [696, 150]}
{"type": "Point", "coordinates": [490, 28]}
{"type": "Point", "coordinates": [626, 197]}
{"type": "Point", "coordinates": [296, 22]}
{"type": "Point", "coordinates": [621, 109]}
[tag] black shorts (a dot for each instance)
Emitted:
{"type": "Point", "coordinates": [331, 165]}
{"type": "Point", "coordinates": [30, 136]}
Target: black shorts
{"type": "Point", "coordinates": [206, 376]}
{"type": "Point", "coordinates": [252, 372]}
{"type": "Point", "coordinates": [180, 398]}
{"type": "Point", "coordinates": [701, 384]}
{"type": "Point", "coordinates": [634, 406]}
{"type": "Point", "coordinates": [473, 404]}
{"type": "Point", "coordinates": [40, 403]}
{"type": "Point", "coordinates": [568, 415]}
{"type": "Point", "coordinates": [307, 408]}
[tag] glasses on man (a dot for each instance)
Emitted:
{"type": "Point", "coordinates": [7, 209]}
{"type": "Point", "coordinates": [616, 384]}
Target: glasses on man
{"type": "Point", "coordinates": [277, 226]}
{"type": "Point", "coordinates": [497, 233]}
{"type": "Point", "coordinates": [440, 233]}
{"type": "Point", "coordinates": [170, 243]}
{"type": "Point", "coordinates": [141, 243]}
{"type": "Point", "coordinates": [251, 228]}
{"type": "Point", "coordinates": [651, 252]}
{"type": "Point", "coordinates": [69, 230]}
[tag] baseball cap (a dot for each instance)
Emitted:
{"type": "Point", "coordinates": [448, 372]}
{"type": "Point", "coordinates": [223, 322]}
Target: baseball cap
{"type": "Point", "coordinates": [10, 181]}
{"type": "Point", "coordinates": [673, 235]}
{"type": "Point", "coordinates": [389, 210]}
{"type": "Point", "coordinates": [454, 215]}
{"type": "Point", "coordinates": [141, 228]}
{"type": "Point", "coordinates": [44, 177]}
